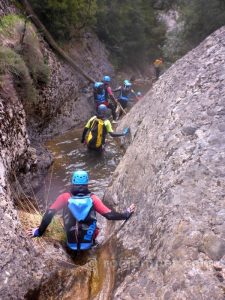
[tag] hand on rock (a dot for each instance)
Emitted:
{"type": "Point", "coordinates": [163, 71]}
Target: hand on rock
{"type": "Point", "coordinates": [33, 232]}
{"type": "Point", "coordinates": [126, 131]}
{"type": "Point", "coordinates": [131, 208]}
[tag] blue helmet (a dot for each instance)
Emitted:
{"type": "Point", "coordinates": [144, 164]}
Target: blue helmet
{"type": "Point", "coordinates": [102, 109]}
{"type": "Point", "coordinates": [98, 84]}
{"type": "Point", "coordinates": [139, 94]}
{"type": "Point", "coordinates": [106, 79]}
{"type": "Point", "coordinates": [127, 83]}
{"type": "Point", "coordinates": [80, 177]}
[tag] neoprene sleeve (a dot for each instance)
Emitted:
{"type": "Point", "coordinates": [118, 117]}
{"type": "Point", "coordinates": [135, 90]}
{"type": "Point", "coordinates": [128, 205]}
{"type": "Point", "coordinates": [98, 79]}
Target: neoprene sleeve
{"type": "Point", "coordinates": [117, 216]}
{"type": "Point", "coordinates": [46, 220]}
{"type": "Point", "coordinates": [114, 134]}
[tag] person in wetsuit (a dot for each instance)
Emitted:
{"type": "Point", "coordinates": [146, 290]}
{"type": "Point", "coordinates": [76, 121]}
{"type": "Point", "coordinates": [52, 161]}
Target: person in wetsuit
{"type": "Point", "coordinates": [80, 207]}
{"type": "Point", "coordinates": [125, 92]}
{"type": "Point", "coordinates": [111, 101]}
{"type": "Point", "coordinates": [97, 128]}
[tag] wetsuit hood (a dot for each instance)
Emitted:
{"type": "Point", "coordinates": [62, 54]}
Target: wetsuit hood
{"type": "Point", "coordinates": [79, 189]}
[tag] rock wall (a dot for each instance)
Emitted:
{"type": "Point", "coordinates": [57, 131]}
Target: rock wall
{"type": "Point", "coordinates": [17, 261]}
{"type": "Point", "coordinates": [173, 170]}
{"type": "Point", "coordinates": [60, 103]}
{"type": "Point", "coordinates": [67, 100]}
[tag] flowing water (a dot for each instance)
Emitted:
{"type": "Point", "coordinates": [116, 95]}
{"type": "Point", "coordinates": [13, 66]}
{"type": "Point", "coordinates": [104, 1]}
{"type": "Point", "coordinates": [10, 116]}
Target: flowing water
{"type": "Point", "coordinates": [69, 155]}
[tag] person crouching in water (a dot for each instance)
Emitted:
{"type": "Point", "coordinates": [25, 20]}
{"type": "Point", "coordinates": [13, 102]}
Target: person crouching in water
{"type": "Point", "coordinates": [97, 128]}
{"type": "Point", "coordinates": [80, 207]}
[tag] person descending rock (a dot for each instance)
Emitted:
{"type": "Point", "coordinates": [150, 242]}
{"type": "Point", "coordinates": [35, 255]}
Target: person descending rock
{"type": "Point", "coordinates": [97, 128]}
{"type": "Point", "coordinates": [80, 207]}
{"type": "Point", "coordinates": [125, 92]}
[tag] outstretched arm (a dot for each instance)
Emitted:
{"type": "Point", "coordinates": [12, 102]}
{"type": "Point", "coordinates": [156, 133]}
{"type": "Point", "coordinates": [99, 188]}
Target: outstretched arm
{"type": "Point", "coordinates": [115, 216]}
{"type": "Point", "coordinates": [102, 209]}
{"type": "Point", "coordinates": [114, 134]}
{"type": "Point", "coordinates": [59, 203]}
{"type": "Point", "coordinates": [125, 132]}
{"type": "Point", "coordinates": [46, 220]}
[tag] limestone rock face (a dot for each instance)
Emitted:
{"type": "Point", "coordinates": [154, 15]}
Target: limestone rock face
{"type": "Point", "coordinates": [61, 103]}
{"type": "Point", "coordinates": [17, 260]}
{"type": "Point", "coordinates": [67, 100]}
{"type": "Point", "coordinates": [173, 170]}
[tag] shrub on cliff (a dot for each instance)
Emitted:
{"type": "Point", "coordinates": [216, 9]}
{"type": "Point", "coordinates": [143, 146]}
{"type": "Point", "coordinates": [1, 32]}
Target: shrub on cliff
{"type": "Point", "coordinates": [198, 19]}
{"type": "Point", "coordinates": [33, 57]}
{"type": "Point", "coordinates": [22, 37]}
{"type": "Point", "coordinates": [12, 62]}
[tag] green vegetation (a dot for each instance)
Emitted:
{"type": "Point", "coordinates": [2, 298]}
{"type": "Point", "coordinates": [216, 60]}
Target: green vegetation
{"type": "Point", "coordinates": [12, 62]}
{"type": "Point", "coordinates": [198, 19]}
{"type": "Point", "coordinates": [12, 26]}
{"type": "Point", "coordinates": [32, 218]}
{"type": "Point", "coordinates": [131, 31]}
{"type": "Point", "coordinates": [201, 17]}
{"type": "Point", "coordinates": [8, 24]}
{"type": "Point", "coordinates": [64, 17]}
{"type": "Point", "coordinates": [33, 57]}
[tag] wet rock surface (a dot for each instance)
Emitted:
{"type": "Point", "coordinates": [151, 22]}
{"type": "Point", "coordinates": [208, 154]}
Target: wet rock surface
{"type": "Point", "coordinates": [173, 170]}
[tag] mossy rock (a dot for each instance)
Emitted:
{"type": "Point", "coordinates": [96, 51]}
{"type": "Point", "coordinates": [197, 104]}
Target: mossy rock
{"type": "Point", "coordinates": [20, 34]}
{"type": "Point", "coordinates": [12, 62]}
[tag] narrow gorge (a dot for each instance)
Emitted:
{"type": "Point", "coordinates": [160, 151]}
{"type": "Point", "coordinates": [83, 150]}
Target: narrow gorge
{"type": "Point", "coordinates": [172, 168]}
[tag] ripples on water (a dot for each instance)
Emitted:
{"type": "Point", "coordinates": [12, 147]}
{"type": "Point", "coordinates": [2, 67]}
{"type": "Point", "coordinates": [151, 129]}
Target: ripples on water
{"type": "Point", "coordinates": [70, 155]}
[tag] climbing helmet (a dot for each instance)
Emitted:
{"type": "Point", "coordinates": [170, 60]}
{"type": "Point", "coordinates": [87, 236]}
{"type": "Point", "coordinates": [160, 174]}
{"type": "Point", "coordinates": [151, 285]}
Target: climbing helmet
{"type": "Point", "coordinates": [80, 177]}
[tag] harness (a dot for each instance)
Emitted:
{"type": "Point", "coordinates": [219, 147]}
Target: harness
{"type": "Point", "coordinates": [96, 134]}
{"type": "Point", "coordinates": [80, 222]}
{"type": "Point", "coordinates": [100, 95]}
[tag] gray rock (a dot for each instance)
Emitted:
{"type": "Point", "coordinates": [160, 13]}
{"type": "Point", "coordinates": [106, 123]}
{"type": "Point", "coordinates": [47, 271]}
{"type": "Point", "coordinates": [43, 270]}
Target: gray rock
{"type": "Point", "coordinates": [214, 246]}
{"type": "Point", "coordinates": [23, 162]}
{"type": "Point", "coordinates": [173, 170]}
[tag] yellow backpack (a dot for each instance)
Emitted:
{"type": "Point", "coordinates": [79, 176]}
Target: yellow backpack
{"type": "Point", "coordinates": [96, 134]}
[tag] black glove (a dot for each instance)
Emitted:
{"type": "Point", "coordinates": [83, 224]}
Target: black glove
{"type": "Point", "coordinates": [128, 214]}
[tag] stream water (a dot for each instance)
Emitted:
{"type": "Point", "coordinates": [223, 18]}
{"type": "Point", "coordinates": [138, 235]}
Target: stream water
{"type": "Point", "coordinates": [69, 155]}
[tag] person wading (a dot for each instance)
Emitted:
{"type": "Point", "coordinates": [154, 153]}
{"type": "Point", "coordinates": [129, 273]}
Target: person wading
{"type": "Point", "coordinates": [110, 98]}
{"type": "Point", "coordinates": [96, 129]}
{"type": "Point", "coordinates": [125, 93]}
{"type": "Point", "coordinates": [79, 214]}
{"type": "Point", "coordinates": [158, 63]}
